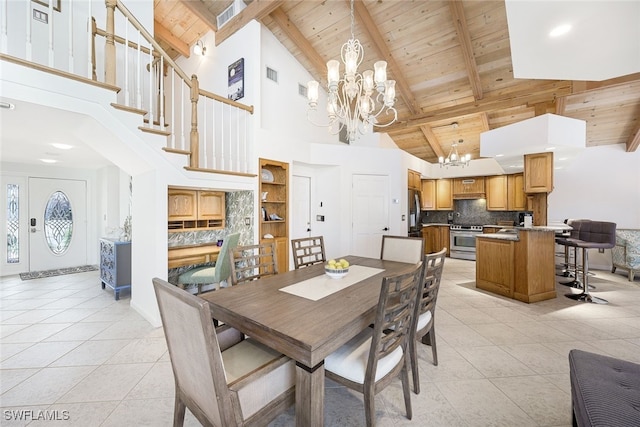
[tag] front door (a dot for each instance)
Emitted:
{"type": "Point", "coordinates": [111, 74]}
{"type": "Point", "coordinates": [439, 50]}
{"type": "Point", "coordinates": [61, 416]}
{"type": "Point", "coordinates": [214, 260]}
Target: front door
{"type": "Point", "coordinates": [57, 223]}
{"type": "Point", "coordinates": [370, 207]}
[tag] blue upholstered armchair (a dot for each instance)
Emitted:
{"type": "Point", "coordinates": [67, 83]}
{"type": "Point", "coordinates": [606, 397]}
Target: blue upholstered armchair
{"type": "Point", "coordinates": [626, 252]}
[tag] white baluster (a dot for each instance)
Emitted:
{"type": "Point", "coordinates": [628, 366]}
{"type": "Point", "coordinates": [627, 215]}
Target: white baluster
{"type": "Point", "coordinates": [222, 138]}
{"type": "Point", "coordinates": [51, 61]}
{"type": "Point", "coordinates": [151, 89]}
{"type": "Point", "coordinates": [71, 65]}
{"type": "Point", "coordinates": [126, 64]}
{"type": "Point", "coordinates": [182, 141]}
{"type": "Point", "coordinates": [3, 26]}
{"type": "Point", "coordinates": [28, 52]}
{"type": "Point", "coordinates": [138, 77]}
{"type": "Point", "coordinates": [173, 108]}
{"type": "Point", "coordinates": [89, 45]}
{"type": "Point", "coordinates": [161, 92]}
{"type": "Point", "coordinates": [203, 139]}
{"type": "Point", "coordinates": [213, 137]}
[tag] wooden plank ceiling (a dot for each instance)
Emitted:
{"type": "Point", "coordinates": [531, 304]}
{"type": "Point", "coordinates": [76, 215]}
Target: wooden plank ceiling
{"type": "Point", "coordinates": [451, 61]}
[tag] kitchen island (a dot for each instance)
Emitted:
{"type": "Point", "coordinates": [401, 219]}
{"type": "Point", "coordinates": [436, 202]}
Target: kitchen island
{"type": "Point", "coordinates": [517, 263]}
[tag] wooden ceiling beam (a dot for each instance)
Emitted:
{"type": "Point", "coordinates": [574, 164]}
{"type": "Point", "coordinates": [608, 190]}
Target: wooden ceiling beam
{"type": "Point", "coordinates": [383, 50]}
{"type": "Point", "coordinates": [432, 139]}
{"type": "Point", "coordinates": [257, 10]}
{"type": "Point", "coordinates": [300, 41]}
{"type": "Point", "coordinates": [525, 97]}
{"type": "Point", "coordinates": [162, 33]}
{"type": "Point", "coordinates": [460, 22]}
{"type": "Point", "coordinates": [580, 86]}
{"type": "Point", "coordinates": [199, 9]}
{"type": "Point", "coordinates": [634, 139]}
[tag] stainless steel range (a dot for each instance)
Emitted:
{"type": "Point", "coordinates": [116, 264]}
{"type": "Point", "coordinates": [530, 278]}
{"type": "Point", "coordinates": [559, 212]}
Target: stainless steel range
{"type": "Point", "coordinates": [463, 241]}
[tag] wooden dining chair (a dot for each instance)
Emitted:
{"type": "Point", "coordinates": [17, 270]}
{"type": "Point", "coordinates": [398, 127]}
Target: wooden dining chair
{"type": "Point", "coordinates": [223, 379]}
{"type": "Point", "coordinates": [377, 356]}
{"type": "Point", "coordinates": [308, 251]}
{"type": "Point", "coordinates": [251, 262]}
{"type": "Point", "coordinates": [402, 249]}
{"type": "Point", "coordinates": [425, 329]}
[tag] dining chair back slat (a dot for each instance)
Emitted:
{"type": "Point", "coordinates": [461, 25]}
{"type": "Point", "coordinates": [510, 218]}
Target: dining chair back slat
{"type": "Point", "coordinates": [251, 262]}
{"type": "Point", "coordinates": [424, 318]}
{"type": "Point", "coordinates": [308, 251]}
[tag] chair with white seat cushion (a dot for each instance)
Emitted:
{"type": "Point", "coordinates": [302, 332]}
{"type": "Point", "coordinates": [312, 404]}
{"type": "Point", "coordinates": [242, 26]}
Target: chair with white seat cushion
{"type": "Point", "coordinates": [402, 249]}
{"type": "Point", "coordinates": [223, 379]}
{"type": "Point", "coordinates": [250, 262]}
{"type": "Point", "coordinates": [425, 329]}
{"type": "Point", "coordinates": [377, 356]}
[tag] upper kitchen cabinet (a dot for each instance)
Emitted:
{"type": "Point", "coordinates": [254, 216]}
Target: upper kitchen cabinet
{"type": "Point", "coordinates": [413, 180]}
{"type": "Point", "coordinates": [506, 193]}
{"type": "Point", "coordinates": [437, 195]}
{"type": "Point", "coordinates": [497, 193]}
{"type": "Point", "coordinates": [428, 194]}
{"type": "Point", "coordinates": [538, 173]}
{"type": "Point", "coordinates": [444, 195]}
{"type": "Point", "coordinates": [469, 188]}
{"type": "Point", "coordinates": [516, 197]}
{"type": "Point", "coordinates": [190, 209]}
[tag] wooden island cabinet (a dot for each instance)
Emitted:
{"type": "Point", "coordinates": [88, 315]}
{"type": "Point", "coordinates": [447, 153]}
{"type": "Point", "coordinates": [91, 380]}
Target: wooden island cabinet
{"type": "Point", "coordinates": [518, 265]}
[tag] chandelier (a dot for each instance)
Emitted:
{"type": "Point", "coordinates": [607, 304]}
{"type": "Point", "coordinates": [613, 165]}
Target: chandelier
{"type": "Point", "coordinates": [351, 101]}
{"type": "Point", "coordinates": [454, 159]}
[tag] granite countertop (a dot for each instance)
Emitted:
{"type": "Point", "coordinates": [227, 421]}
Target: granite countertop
{"type": "Point", "coordinates": [439, 224]}
{"type": "Point", "coordinates": [499, 236]}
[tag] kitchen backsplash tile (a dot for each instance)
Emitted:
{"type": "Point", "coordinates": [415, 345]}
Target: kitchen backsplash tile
{"type": "Point", "coordinates": [469, 212]}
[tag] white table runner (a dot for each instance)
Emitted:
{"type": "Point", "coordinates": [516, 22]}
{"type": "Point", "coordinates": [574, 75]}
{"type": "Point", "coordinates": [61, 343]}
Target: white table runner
{"type": "Point", "coordinates": [321, 286]}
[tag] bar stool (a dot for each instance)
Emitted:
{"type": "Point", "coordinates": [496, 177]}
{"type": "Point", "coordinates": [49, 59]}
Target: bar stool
{"type": "Point", "coordinates": [593, 235]}
{"type": "Point", "coordinates": [572, 270]}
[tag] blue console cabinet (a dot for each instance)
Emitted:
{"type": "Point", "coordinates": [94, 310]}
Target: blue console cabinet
{"type": "Point", "coordinates": [115, 265]}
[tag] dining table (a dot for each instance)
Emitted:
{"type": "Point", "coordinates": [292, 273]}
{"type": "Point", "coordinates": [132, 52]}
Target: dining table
{"type": "Point", "coordinates": [306, 315]}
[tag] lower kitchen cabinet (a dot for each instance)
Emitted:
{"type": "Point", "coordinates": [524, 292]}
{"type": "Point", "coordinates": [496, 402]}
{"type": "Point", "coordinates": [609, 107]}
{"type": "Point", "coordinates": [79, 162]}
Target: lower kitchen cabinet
{"type": "Point", "coordinates": [115, 265]}
{"type": "Point", "coordinates": [435, 238]}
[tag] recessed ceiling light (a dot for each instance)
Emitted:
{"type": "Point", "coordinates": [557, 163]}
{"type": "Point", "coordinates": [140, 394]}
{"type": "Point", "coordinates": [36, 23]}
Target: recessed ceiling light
{"type": "Point", "coordinates": [48, 160]}
{"type": "Point", "coordinates": [550, 148]}
{"type": "Point", "coordinates": [560, 30]}
{"type": "Point", "coordinates": [499, 155]}
{"type": "Point", "coordinates": [7, 105]}
{"type": "Point", "coordinates": [62, 146]}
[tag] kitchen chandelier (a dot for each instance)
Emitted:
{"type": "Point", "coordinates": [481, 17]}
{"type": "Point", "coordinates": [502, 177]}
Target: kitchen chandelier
{"type": "Point", "coordinates": [351, 101]}
{"type": "Point", "coordinates": [454, 159]}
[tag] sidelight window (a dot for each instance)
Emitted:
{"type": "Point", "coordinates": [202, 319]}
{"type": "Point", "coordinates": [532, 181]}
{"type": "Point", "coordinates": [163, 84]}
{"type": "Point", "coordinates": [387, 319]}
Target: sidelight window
{"type": "Point", "coordinates": [13, 223]}
{"type": "Point", "coordinates": [58, 223]}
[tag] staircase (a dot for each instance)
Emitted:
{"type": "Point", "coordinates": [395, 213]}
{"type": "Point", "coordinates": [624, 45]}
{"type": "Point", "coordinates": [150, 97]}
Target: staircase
{"type": "Point", "coordinates": [147, 92]}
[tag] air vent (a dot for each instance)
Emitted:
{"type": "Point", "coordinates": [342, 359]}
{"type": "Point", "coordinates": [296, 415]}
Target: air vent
{"type": "Point", "coordinates": [230, 12]}
{"type": "Point", "coordinates": [302, 90]}
{"type": "Point", "coordinates": [272, 74]}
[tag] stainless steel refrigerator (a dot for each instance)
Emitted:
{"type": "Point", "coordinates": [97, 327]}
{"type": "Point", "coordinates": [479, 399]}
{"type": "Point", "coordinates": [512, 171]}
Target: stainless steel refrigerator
{"type": "Point", "coordinates": [413, 223]}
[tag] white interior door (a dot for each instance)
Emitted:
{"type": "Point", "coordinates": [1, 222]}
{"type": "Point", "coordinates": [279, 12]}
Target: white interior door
{"type": "Point", "coordinates": [370, 211]}
{"type": "Point", "coordinates": [57, 223]}
{"type": "Point", "coordinates": [301, 207]}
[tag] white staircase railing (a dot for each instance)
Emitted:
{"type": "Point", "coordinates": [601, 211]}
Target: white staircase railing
{"type": "Point", "coordinates": [213, 131]}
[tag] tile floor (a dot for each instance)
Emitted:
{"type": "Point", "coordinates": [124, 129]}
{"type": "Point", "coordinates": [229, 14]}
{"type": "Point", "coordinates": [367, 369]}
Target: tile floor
{"type": "Point", "coordinates": [66, 346]}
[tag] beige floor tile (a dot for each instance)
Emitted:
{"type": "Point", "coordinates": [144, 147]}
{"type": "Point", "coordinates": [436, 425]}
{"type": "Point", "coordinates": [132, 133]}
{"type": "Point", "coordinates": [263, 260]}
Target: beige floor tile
{"type": "Point", "coordinates": [36, 332]}
{"type": "Point", "coordinates": [45, 387]}
{"type": "Point", "coordinates": [89, 353]}
{"type": "Point", "coordinates": [12, 377]}
{"type": "Point", "coordinates": [78, 414]}
{"type": "Point", "coordinates": [539, 358]}
{"type": "Point", "coordinates": [145, 350]}
{"type": "Point", "coordinates": [481, 403]}
{"type": "Point", "coordinates": [107, 383]}
{"type": "Point", "coordinates": [33, 316]}
{"type": "Point", "coordinates": [549, 406]}
{"type": "Point", "coordinates": [40, 354]}
{"type": "Point", "coordinates": [125, 330]}
{"type": "Point", "coordinates": [493, 361]}
{"type": "Point", "coordinates": [146, 412]}
{"type": "Point", "coordinates": [80, 331]}
{"type": "Point", "coordinates": [158, 383]}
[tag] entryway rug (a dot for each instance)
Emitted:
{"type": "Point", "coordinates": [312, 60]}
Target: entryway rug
{"type": "Point", "coordinates": [57, 272]}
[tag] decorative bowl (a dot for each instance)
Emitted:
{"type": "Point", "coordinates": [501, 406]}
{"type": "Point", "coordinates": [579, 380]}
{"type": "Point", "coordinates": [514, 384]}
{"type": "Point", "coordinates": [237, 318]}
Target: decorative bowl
{"type": "Point", "coordinates": [336, 274]}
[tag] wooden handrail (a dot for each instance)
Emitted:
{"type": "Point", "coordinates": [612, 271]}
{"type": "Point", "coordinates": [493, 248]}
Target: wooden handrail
{"type": "Point", "coordinates": [219, 98]}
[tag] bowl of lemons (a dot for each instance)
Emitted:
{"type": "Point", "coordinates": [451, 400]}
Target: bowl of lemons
{"type": "Point", "coordinates": [336, 269]}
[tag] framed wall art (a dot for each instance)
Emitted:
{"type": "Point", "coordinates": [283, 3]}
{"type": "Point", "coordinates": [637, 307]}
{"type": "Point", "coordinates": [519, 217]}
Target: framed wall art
{"type": "Point", "coordinates": [236, 80]}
